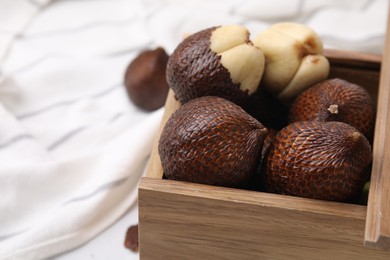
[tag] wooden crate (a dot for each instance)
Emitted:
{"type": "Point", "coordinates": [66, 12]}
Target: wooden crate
{"type": "Point", "coordinates": [179, 220]}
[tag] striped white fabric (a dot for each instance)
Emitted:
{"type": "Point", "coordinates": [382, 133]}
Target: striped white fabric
{"type": "Point", "coordinates": [72, 147]}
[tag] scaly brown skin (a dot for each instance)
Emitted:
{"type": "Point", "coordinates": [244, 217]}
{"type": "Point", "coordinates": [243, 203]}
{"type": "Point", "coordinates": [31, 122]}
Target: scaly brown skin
{"type": "Point", "coordinates": [335, 100]}
{"type": "Point", "coordinates": [211, 140]}
{"type": "Point", "coordinates": [193, 71]}
{"type": "Point", "coordinates": [268, 140]}
{"type": "Point", "coordinates": [322, 160]}
{"type": "Point", "coordinates": [256, 182]}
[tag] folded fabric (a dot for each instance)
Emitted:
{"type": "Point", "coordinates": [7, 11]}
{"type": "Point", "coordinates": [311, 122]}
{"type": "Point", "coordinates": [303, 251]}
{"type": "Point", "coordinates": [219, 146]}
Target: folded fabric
{"type": "Point", "coordinates": [53, 206]}
{"type": "Point", "coordinates": [72, 146]}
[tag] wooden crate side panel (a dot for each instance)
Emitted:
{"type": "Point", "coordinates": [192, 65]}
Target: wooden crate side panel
{"type": "Point", "coordinates": [377, 232]}
{"type": "Point", "coordinates": [176, 223]}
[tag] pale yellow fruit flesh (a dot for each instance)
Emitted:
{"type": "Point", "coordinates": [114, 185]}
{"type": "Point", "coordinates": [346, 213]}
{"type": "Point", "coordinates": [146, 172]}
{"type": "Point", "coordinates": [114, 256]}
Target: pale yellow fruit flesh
{"type": "Point", "coordinates": [306, 36]}
{"type": "Point", "coordinates": [293, 56]}
{"type": "Point", "coordinates": [282, 57]}
{"type": "Point", "coordinates": [245, 64]}
{"type": "Point", "coordinates": [244, 61]}
{"type": "Point", "coordinates": [226, 37]}
{"type": "Point", "coordinates": [313, 68]}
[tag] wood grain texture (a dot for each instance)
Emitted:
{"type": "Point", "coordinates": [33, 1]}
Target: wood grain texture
{"type": "Point", "coordinates": [192, 221]}
{"type": "Point", "coordinates": [154, 166]}
{"type": "Point", "coordinates": [377, 233]}
{"type": "Point", "coordinates": [352, 59]}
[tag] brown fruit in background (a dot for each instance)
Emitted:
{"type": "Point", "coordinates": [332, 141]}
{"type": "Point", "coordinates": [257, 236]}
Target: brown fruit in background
{"type": "Point", "coordinates": [322, 160]}
{"type": "Point", "coordinates": [335, 100]}
{"type": "Point", "coordinates": [131, 239]}
{"type": "Point", "coordinates": [218, 61]}
{"type": "Point", "coordinates": [145, 79]}
{"type": "Point", "coordinates": [211, 140]}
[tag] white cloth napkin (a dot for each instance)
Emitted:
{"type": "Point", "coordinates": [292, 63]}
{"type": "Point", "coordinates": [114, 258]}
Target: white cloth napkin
{"type": "Point", "coordinates": [72, 146]}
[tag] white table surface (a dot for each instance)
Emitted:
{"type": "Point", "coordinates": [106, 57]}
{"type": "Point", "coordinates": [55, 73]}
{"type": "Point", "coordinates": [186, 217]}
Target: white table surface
{"type": "Point", "coordinates": [107, 245]}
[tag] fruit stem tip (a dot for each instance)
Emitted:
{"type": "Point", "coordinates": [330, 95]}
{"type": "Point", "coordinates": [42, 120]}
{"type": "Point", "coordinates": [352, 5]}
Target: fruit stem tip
{"type": "Point", "coordinates": [355, 135]}
{"type": "Point", "coordinates": [333, 109]}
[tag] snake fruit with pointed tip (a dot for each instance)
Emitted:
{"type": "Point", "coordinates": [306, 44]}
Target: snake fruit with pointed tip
{"type": "Point", "coordinates": [211, 140]}
{"type": "Point", "coordinates": [335, 100]}
{"type": "Point", "coordinates": [322, 160]}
